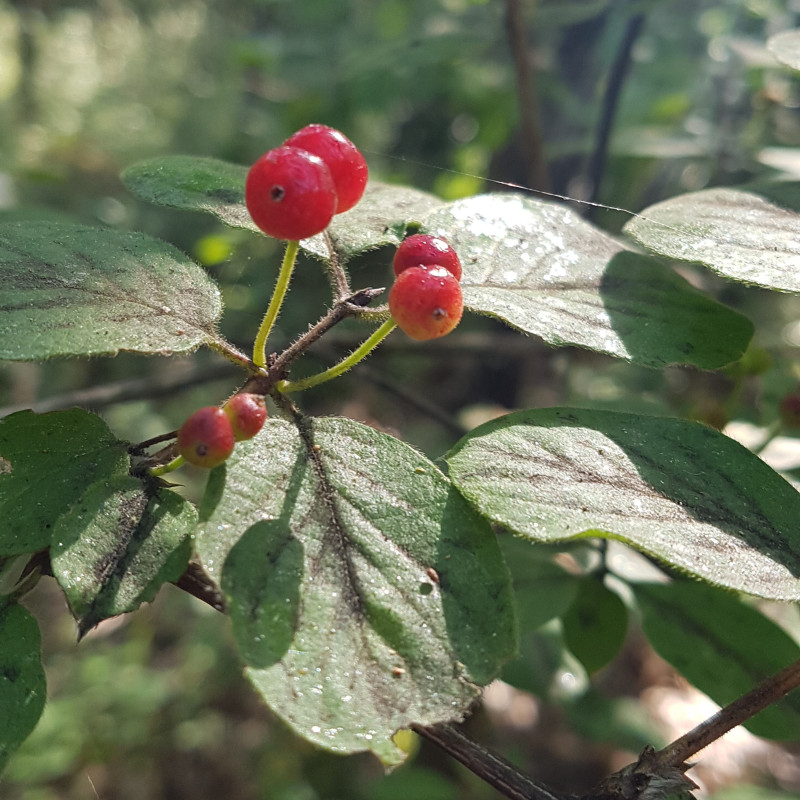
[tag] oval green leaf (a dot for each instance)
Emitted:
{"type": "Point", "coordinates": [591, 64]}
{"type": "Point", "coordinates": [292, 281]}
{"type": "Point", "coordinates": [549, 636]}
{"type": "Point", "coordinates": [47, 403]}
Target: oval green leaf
{"type": "Point", "coordinates": [75, 290]}
{"type": "Point", "coordinates": [677, 490]}
{"type": "Point", "coordinates": [118, 544]}
{"type": "Point", "coordinates": [748, 234]}
{"type": "Point", "coordinates": [22, 681]}
{"type": "Point", "coordinates": [52, 459]}
{"type": "Point", "coordinates": [365, 593]}
{"type": "Point", "coordinates": [722, 646]}
{"type": "Point", "coordinates": [539, 267]}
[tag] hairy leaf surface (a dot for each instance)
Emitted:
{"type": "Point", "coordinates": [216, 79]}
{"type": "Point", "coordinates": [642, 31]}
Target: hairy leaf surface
{"type": "Point", "coordinates": [22, 681]}
{"type": "Point", "coordinates": [75, 290]}
{"type": "Point", "coordinates": [52, 459]}
{"type": "Point", "coordinates": [722, 645]}
{"type": "Point", "coordinates": [117, 545]}
{"type": "Point", "coordinates": [365, 593]}
{"type": "Point", "coordinates": [749, 234]}
{"type": "Point", "coordinates": [540, 268]}
{"type": "Point", "coordinates": [677, 490]}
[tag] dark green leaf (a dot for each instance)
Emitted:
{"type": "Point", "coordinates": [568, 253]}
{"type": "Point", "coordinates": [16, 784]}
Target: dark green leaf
{"type": "Point", "coordinates": [747, 234]}
{"type": "Point", "coordinates": [22, 680]}
{"type": "Point", "coordinates": [117, 545]}
{"type": "Point", "coordinates": [786, 48]}
{"type": "Point", "coordinates": [77, 290]}
{"type": "Point", "coordinates": [365, 594]}
{"type": "Point", "coordinates": [53, 458]}
{"type": "Point", "coordinates": [192, 183]}
{"type": "Point", "coordinates": [595, 624]}
{"type": "Point", "coordinates": [678, 490]}
{"type": "Point", "coordinates": [722, 646]}
{"type": "Point", "coordinates": [540, 268]}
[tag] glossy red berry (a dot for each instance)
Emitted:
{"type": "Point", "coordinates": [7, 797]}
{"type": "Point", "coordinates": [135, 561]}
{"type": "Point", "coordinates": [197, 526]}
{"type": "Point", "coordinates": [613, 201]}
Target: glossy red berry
{"type": "Point", "coordinates": [290, 194]}
{"type": "Point", "coordinates": [343, 158]}
{"type": "Point", "coordinates": [247, 413]}
{"type": "Point", "coordinates": [206, 439]}
{"type": "Point", "coordinates": [423, 249]}
{"type": "Point", "coordinates": [426, 302]}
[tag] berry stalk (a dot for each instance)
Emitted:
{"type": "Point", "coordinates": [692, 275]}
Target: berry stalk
{"type": "Point", "coordinates": [282, 285]}
{"type": "Point", "coordinates": [170, 466]}
{"type": "Point", "coordinates": [363, 350]}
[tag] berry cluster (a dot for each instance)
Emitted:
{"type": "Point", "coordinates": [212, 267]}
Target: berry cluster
{"type": "Point", "coordinates": [425, 300]}
{"type": "Point", "coordinates": [208, 436]}
{"type": "Point", "coordinates": [294, 191]}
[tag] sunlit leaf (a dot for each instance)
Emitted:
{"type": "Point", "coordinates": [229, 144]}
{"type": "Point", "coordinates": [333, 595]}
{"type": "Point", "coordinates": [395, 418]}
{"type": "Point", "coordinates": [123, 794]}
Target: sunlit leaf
{"type": "Point", "coordinates": [748, 234]}
{"type": "Point", "coordinates": [117, 545]}
{"type": "Point", "coordinates": [723, 646]}
{"type": "Point", "coordinates": [540, 268]}
{"type": "Point", "coordinates": [365, 593]}
{"type": "Point", "coordinates": [677, 490]}
{"type": "Point", "coordinates": [786, 48]}
{"type": "Point", "coordinates": [77, 290]}
{"type": "Point", "coordinates": [52, 459]}
{"type": "Point", "coordinates": [22, 680]}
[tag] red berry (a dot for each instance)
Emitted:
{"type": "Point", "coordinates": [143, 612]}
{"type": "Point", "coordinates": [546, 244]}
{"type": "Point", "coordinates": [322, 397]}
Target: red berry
{"type": "Point", "coordinates": [422, 249]}
{"type": "Point", "coordinates": [790, 410]}
{"type": "Point", "coordinates": [344, 160]}
{"type": "Point", "coordinates": [206, 438]}
{"type": "Point", "coordinates": [290, 194]}
{"type": "Point", "coordinates": [426, 302]}
{"type": "Point", "coordinates": [247, 413]}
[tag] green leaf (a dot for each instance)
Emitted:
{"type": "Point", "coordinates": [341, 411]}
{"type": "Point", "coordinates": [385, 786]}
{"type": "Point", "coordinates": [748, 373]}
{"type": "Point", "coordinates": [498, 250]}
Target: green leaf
{"type": "Point", "coordinates": [747, 234]}
{"type": "Point", "coordinates": [70, 290]}
{"type": "Point", "coordinates": [595, 625]}
{"type": "Point", "coordinates": [380, 219]}
{"type": "Point", "coordinates": [52, 459]}
{"type": "Point", "coordinates": [540, 268]}
{"type": "Point", "coordinates": [365, 593]}
{"type": "Point", "coordinates": [192, 183]}
{"type": "Point", "coordinates": [677, 490]}
{"type": "Point", "coordinates": [217, 187]}
{"type": "Point", "coordinates": [22, 680]}
{"type": "Point", "coordinates": [786, 48]}
{"type": "Point", "coordinates": [722, 646]}
{"type": "Point", "coordinates": [117, 545]}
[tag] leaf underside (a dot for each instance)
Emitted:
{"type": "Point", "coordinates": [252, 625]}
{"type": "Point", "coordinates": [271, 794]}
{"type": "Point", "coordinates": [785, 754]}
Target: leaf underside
{"type": "Point", "coordinates": [677, 490]}
{"type": "Point", "coordinates": [365, 594]}
{"type": "Point", "coordinates": [542, 269]}
{"type": "Point", "coordinates": [76, 290]}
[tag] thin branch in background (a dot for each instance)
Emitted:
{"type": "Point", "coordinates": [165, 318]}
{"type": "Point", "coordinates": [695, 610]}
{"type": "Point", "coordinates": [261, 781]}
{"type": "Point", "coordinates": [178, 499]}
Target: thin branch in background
{"type": "Point", "coordinates": [616, 80]}
{"type": "Point", "coordinates": [532, 142]}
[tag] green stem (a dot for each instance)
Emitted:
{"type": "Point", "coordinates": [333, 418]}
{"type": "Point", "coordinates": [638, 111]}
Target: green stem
{"type": "Point", "coordinates": [345, 364]}
{"type": "Point", "coordinates": [285, 275]}
{"type": "Point", "coordinates": [170, 466]}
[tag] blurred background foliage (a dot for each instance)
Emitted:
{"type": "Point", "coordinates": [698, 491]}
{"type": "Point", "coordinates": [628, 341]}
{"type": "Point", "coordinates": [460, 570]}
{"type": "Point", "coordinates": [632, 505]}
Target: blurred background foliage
{"type": "Point", "coordinates": [153, 705]}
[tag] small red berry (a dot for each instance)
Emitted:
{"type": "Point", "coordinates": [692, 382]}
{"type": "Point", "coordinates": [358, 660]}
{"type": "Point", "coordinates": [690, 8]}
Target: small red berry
{"type": "Point", "coordinates": [206, 439]}
{"type": "Point", "coordinates": [344, 160]}
{"type": "Point", "coordinates": [247, 413]}
{"type": "Point", "coordinates": [790, 410]}
{"type": "Point", "coordinates": [422, 249]}
{"type": "Point", "coordinates": [290, 194]}
{"type": "Point", "coordinates": [426, 302]}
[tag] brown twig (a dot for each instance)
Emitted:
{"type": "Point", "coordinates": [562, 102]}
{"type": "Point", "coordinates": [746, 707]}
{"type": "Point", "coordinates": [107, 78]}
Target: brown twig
{"type": "Point", "coordinates": [532, 141]}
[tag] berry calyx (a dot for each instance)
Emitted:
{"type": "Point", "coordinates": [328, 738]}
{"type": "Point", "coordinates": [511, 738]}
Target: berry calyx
{"type": "Point", "coordinates": [290, 194]}
{"type": "Point", "coordinates": [426, 302]}
{"type": "Point", "coordinates": [206, 439]}
{"type": "Point", "coordinates": [423, 249]}
{"type": "Point", "coordinates": [247, 413]}
{"type": "Point", "coordinates": [344, 160]}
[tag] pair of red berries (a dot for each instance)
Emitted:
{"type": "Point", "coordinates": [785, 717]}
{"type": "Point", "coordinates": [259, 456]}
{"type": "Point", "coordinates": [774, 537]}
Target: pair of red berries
{"type": "Point", "coordinates": [209, 435]}
{"type": "Point", "coordinates": [294, 191]}
{"type": "Point", "coordinates": [425, 300]}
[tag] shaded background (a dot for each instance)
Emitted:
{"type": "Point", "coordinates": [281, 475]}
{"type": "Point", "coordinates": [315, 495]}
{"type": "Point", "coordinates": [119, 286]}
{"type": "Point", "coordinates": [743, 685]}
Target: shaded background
{"type": "Point", "coordinates": [623, 103]}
